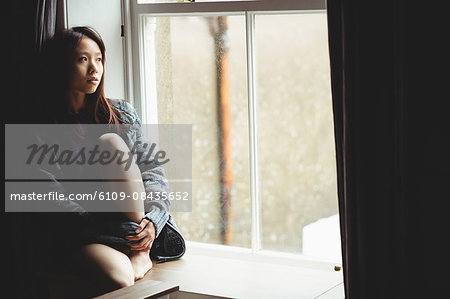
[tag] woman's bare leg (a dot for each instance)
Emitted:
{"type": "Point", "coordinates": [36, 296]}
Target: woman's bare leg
{"type": "Point", "coordinates": [108, 268]}
{"type": "Point", "coordinates": [132, 179]}
{"type": "Point", "coordinates": [132, 182]}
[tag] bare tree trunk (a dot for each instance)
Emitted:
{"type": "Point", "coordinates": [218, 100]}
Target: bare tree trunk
{"type": "Point", "coordinates": [219, 29]}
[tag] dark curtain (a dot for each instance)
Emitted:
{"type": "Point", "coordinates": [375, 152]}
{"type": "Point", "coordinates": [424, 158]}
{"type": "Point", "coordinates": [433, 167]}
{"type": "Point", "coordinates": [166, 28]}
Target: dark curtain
{"type": "Point", "coordinates": [46, 21]}
{"type": "Point", "coordinates": [389, 73]}
{"type": "Point", "coordinates": [27, 25]}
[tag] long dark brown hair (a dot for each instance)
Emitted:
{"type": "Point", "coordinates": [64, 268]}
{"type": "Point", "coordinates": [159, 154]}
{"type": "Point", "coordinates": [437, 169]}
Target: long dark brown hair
{"type": "Point", "coordinates": [55, 62]}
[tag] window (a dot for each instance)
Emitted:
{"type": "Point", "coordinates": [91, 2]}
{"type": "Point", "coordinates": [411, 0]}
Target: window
{"type": "Point", "coordinates": [253, 79]}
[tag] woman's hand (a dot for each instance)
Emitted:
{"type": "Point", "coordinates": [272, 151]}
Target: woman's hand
{"type": "Point", "coordinates": [145, 235]}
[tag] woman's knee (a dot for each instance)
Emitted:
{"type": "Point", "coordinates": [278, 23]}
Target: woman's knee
{"type": "Point", "coordinates": [112, 141]}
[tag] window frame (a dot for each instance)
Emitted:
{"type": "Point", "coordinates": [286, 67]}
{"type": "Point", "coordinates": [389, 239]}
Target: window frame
{"type": "Point", "coordinates": [133, 20]}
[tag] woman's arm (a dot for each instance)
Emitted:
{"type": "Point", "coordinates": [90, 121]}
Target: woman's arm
{"type": "Point", "coordinates": [153, 175]}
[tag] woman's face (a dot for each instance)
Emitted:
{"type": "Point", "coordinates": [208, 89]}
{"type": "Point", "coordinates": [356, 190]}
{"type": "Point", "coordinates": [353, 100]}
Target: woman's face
{"type": "Point", "coordinates": [87, 67]}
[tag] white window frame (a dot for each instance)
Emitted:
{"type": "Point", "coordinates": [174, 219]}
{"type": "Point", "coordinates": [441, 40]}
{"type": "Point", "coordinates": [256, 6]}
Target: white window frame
{"type": "Point", "coordinates": [133, 16]}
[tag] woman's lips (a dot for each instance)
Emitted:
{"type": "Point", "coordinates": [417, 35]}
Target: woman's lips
{"type": "Point", "coordinates": [93, 80]}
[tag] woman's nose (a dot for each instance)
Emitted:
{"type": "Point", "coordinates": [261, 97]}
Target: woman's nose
{"type": "Point", "coordinates": [93, 68]}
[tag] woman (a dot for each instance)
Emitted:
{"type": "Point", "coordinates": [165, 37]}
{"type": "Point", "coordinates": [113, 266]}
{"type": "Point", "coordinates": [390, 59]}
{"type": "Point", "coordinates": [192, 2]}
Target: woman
{"type": "Point", "coordinates": [113, 248]}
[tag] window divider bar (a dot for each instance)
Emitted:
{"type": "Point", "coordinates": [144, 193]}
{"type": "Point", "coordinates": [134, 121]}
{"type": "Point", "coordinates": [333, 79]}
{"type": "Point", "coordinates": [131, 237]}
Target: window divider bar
{"type": "Point", "coordinates": [142, 70]}
{"type": "Point", "coordinates": [253, 133]}
{"type": "Point", "coordinates": [127, 48]}
{"type": "Point", "coordinates": [229, 6]}
{"type": "Point", "coordinates": [137, 59]}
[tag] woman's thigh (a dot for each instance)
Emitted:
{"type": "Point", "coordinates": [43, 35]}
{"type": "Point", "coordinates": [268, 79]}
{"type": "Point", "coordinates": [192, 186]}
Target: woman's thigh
{"type": "Point", "coordinates": [108, 267]}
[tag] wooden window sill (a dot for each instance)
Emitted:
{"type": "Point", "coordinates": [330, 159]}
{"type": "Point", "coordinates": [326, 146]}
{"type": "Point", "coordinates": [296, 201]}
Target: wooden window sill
{"type": "Point", "coordinates": [237, 275]}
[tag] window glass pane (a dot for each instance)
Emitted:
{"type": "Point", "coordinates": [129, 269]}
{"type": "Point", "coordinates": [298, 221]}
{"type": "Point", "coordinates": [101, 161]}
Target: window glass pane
{"type": "Point", "coordinates": [190, 83]}
{"type": "Point", "coordinates": [155, 1]}
{"type": "Point", "coordinates": [168, 1]}
{"type": "Point", "coordinates": [297, 173]}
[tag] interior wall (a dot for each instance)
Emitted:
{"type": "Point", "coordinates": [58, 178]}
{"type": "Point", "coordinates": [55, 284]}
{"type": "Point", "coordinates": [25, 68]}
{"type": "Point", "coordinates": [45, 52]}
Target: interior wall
{"type": "Point", "coordinates": [105, 17]}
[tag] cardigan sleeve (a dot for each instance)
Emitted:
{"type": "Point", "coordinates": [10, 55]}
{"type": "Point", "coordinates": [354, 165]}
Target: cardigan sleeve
{"type": "Point", "coordinates": [153, 175]}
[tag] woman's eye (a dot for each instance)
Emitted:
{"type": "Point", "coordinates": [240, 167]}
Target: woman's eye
{"type": "Point", "coordinates": [99, 59]}
{"type": "Point", "coordinates": [82, 59]}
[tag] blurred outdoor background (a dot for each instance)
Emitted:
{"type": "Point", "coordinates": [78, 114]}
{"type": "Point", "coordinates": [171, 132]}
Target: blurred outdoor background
{"type": "Point", "coordinates": [201, 79]}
